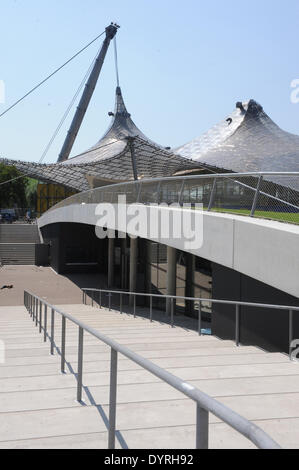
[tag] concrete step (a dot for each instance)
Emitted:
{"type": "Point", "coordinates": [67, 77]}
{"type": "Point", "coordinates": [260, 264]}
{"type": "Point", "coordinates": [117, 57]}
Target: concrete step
{"type": "Point", "coordinates": [23, 254]}
{"type": "Point", "coordinates": [19, 234]}
{"type": "Point", "coordinates": [221, 437]}
{"type": "Point", "coordinates": [38, 405]}
{"type": "Point", "coordinates": [18, 244]}
{"type": "Point", "coordinates": [17, 253]}
{"type": "Point", "coordinates": [136, 422]}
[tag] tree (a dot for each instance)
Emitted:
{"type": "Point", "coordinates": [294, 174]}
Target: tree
{"type": "Point", "coordinates": [12, 194]}
{"type": "Point", "coordinates": [31, 193]}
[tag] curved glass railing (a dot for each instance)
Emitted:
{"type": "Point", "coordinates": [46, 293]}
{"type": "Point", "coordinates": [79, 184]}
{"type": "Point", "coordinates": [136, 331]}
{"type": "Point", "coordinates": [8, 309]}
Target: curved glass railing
{"type": "Point", "coordinates": [265, 195]}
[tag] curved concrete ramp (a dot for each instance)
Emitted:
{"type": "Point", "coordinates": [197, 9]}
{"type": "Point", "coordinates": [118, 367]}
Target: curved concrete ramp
{"type": "Point", "coordinates": [265, 250]}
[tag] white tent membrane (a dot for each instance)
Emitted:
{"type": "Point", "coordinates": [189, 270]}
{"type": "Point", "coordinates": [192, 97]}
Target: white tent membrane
{"type": "Point", "coordinates": [111, 159]}
{"type": "Point", "coordinates": [246, 141]}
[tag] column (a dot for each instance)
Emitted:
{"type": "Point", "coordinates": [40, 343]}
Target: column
{"type": "Point", "coordinates": [148, 269]}
{"type": "Point", "coordinates": [111, 259]}
{"type": "Point", "coordinates": [171, 276]}
{"type": "Point", "coordinates": [189, 286]}
{"type": "Point", "coordinates": [133, 267]}
{"type": "Point", "coordinates": [123, 263]}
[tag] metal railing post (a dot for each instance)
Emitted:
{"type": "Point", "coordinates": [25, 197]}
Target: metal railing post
{"type": "Point", "coordinates": [45, 323]}
{"type": "Point", "coordinates": [134, 306]}
{"type": "Point", "coordinates": [172, 312]}
{"type": "Point", "coordinates": [121, 303]}
{"type": "Point", "coordinates": [238, 325]}
{"type": "Point", "coordinates": [112, 401]}
{"type": "Point", "coordinates": [256, 196]}
{"type": "Point", "coordinates": [109, 295]}
{"type": "Point", "coordinates": [199, 318]}
{"type": "Point", "coordinates": [80, 364]}
{"type": "Point", "coordinates": [158, 193]}
{"type": "Point", "coordinates": [100, 299]}
{"type": "Point", "coordinates": [213, 193]}
{"type": "Point", "coordinates": [139, 192]}
{"type": "Point", "coordinates": [40, 315]}
{"type": "Point", "coordinates": [291, 329]}
{"type": "Point", "coordinates": [52, 331]}
{"type": "Point", "coordinates": [181, 193]}
{"type": "Point", "coordinates": [33, 310]}
{"type": "Point", "coordinates": [92, 298]}
{"type": "Point", "coordinates": [63, 331]}
{"type": "Point", "coordinates": [202, 428]}
{"type": "Point", "coordinates": [151, 309]}
{"type": "Point", "coordinates": [36, 313]}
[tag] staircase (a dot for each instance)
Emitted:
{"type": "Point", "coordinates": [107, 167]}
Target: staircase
{"type": "Point", "coordinates": [16, 233]}
{"type": "Point", "coordinates": [38, 407]}
{"type": "Point", "coordinates": [20, 245]}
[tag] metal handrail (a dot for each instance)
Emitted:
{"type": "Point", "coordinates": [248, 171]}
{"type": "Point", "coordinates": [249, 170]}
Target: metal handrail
{"type": "Point", "coordinates": [192, 177]}
{"type": "Point", "coordinates": [185, 178]}
{"type": "Point", "coordinates": [201, 299]}
{"type": "Point", "coordinates": [205, 404]}
{"type": "Point", "coordinates": [261, 177]}
{"type": "Point", "coordinates": [172, 298]}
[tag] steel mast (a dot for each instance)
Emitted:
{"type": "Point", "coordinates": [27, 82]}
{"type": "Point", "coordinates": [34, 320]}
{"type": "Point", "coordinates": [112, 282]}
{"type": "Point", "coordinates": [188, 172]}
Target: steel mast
{"type": "Point", "coordinates": [87, 95]}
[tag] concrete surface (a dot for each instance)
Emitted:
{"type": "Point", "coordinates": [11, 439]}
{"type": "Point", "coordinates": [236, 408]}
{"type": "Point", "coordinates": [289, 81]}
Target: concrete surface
{"type": "Point", "coordinates": [265, 250]}
{"type": "Point", "coordinates": [46, 283]}
{"type": "Point", "coordinates": [38, 406]}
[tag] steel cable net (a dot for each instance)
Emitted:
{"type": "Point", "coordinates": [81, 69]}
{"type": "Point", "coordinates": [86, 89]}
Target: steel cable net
{"type": "Point", "coordinates": [241, 195]}
{"type": "Point", "coordinates": [111, 159]}
{"type": "Point", "coordinates": [150, 193]}
{"type": "Point", "coordinates": [279, 200]}
{"type": "Point", "coordinates": [234, 195]}
{"type": "Point", "coordinates": [250, 195]}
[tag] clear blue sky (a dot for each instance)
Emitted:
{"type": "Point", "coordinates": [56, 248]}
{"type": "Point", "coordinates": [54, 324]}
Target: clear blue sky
{"type": "Point", "coordinates": [183, 65]}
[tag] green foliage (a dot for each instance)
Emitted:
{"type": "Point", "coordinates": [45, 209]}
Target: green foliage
{"type": "Point", "coordinates": [18, 193]}
{"type": "Point", "coordinates": [31, 193]}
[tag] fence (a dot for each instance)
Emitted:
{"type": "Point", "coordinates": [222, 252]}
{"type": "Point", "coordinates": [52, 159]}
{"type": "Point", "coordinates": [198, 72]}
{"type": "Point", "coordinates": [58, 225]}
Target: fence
{"type": "Point", "coordinates": [38, 309]}
{"type": "Point", "coordinates": [265, 195]}
{"type": "Point", "coordinates": [97, 296]}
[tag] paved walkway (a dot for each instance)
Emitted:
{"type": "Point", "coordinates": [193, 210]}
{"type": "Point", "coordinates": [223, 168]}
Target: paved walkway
{"type": "Point", "coordinates": [38, 407]}
{"type": "Point", "coordinates": [44, 281]}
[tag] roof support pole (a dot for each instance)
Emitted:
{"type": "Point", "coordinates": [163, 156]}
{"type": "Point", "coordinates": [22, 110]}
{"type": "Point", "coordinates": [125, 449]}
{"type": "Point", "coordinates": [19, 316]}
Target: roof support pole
{"type": "Point", "coordinates": [87, 95]}
{"type": "Point", "coordinates": [133, 156]}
